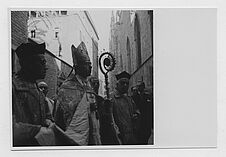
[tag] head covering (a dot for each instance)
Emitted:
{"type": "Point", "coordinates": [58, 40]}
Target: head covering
{"type": "Point", "coordinates": [123, 74]}
{"type": "Point", "coordinates": [30, 49]}
{"type": "Point", "coordinates": [80, 54]}
{"type": "Point", "coordinates": [42, 84]}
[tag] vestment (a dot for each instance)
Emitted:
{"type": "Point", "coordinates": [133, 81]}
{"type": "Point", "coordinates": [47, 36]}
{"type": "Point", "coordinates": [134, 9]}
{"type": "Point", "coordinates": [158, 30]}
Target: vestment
{"type": "Point", "coordinates": [123, 113]}
{"type": "Point", "coordinates": [50, 103]}
{"type": "Point", "coordinates": [73, 113]}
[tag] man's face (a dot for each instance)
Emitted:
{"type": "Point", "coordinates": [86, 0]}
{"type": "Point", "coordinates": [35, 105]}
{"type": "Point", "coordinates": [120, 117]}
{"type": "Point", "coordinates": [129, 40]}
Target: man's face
{"type": "Point", "coordinates": [38, 66]}
{"type": "Point", "coordinates": [84, 69]}
{"type": "Point", "coordinates": [123, 85]}
{"type": "Point", "coordinates": [44, 89]}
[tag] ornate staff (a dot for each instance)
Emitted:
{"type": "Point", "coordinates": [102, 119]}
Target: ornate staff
{"type": "Point", "coordinates": [107, 64]}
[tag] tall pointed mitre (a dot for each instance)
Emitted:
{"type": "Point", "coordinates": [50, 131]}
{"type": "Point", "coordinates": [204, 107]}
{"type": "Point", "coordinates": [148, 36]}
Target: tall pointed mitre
{"type": "Point", "coordinates": [80, 54]}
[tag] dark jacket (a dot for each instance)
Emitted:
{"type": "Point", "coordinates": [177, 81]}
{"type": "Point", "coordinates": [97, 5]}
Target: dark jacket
{"type": "Point", "coordinates": [123, 111]}
{"type": "Point", "coordinates": [146, 117]}
{"type": "Point", "coordinates": [108, 133]}
{"type": "Point", "coordinates": [29, 112]}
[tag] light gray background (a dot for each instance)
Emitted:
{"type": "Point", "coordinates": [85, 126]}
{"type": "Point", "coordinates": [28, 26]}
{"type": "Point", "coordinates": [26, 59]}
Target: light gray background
{"type": "Point", "coordinates": [185, 63]}
{"type": "Point", "coordinates": [221, 77]}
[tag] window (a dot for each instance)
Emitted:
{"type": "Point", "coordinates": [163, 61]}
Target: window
{"type": "Point", "coordinates": [56, 35]}
{"type": "Point", "coordinates": [56, 32]}
{"type": "Point", "coordinates": [32, 33]}
{"type": "Point", "coordinates": [63, 12]}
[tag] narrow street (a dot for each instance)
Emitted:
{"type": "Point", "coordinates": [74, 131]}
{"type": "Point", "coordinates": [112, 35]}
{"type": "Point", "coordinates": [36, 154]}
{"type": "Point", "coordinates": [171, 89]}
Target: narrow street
{"type": "Point", "coordinates": [90, 57]}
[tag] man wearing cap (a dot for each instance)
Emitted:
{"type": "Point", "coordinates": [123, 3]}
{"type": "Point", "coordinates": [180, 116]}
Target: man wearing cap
{"type": "Point", "coordinates": [76, 103]}
{"type": "Point", "coordinates": [32, 123]}
{"type": "Point", "coordinates": [44, 88]}
{"type": "Point", "coordinates": [124, 109]}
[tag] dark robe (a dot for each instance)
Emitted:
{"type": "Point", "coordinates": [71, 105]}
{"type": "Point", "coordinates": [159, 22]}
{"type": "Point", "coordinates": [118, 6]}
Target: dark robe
{"type": "Point", "coordinates": [108, 133]}
{"type": "Point", "coordinates": [30, 111]}
{"type": "Point", "coordinates": [146, 117]}
{"type": "Point", "coordinates": [123, 111]}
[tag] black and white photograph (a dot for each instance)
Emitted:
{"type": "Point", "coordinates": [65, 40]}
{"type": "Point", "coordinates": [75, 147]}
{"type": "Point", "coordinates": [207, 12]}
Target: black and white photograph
{"type": "Point", "coordinates": [113, 78]}
{"type": "Point", "coordinates": [82, 77]}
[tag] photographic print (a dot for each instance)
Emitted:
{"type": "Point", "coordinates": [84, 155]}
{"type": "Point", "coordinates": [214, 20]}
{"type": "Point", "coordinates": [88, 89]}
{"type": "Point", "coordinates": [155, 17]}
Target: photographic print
{"type": "Point", "coordinates": [113, 78]}
{"type": "Point", "coordinates": [82, 77]}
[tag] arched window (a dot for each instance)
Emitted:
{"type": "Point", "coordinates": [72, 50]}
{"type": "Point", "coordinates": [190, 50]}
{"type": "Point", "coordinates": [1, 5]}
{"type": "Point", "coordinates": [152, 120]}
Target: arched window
{"type": "Point", "coordinates": [33, 33]}
{"type": "Point", "coordinates": [137, 41]}
{"type": "Point", "coordinates": [63, 12]}
{"type": "Point", "coordinates": [128, 55]}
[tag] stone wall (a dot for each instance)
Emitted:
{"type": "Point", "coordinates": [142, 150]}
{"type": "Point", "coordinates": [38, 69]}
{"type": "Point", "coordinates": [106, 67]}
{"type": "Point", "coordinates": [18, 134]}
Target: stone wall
{"type": "Point", "coordinates": [123, 44]}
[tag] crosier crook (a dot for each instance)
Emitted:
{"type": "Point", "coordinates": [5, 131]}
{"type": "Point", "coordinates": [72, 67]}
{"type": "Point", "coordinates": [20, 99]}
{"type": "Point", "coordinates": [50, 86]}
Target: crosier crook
{"type": "Point", "coordinates": [105, 67]}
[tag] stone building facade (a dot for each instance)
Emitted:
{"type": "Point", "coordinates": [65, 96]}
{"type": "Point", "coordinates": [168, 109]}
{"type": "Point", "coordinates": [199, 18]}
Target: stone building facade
{"type": "Point", "coordinates": [131, 42]}
{"type": "Point", "coordinates": [59, 30]}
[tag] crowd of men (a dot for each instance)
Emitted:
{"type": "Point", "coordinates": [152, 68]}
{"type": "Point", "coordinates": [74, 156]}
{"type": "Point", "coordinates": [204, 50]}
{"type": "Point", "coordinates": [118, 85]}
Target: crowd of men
{"type": "Point", "coordinates": [78, 115]}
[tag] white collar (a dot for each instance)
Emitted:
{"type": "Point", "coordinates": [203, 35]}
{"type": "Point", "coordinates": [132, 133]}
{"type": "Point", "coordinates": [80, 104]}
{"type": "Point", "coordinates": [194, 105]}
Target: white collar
{"type": "Point", "coordinates": [81, 80]}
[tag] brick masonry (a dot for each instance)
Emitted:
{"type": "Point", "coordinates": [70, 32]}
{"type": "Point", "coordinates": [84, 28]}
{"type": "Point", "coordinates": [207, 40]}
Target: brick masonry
{"type": "Point", "coordinates": [18, 27]}
{"type": "Point", "coordinates": [18, 34]}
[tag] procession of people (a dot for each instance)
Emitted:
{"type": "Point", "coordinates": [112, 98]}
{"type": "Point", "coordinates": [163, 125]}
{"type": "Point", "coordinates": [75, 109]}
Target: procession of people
{"type": "Point", "coordinates": [78, 116]}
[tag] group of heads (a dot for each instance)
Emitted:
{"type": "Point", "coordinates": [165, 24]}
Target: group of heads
{"type": "Point", "coordinates": [139, 88]}
{"type": "Point", "coordinates": [33, 63]}
{"type": "Point", "coordinates": [122, 84]}
{"type": "Point", "coordinates": [32, 60]}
